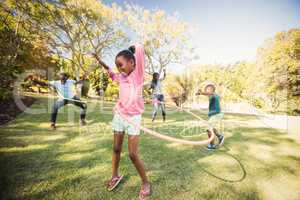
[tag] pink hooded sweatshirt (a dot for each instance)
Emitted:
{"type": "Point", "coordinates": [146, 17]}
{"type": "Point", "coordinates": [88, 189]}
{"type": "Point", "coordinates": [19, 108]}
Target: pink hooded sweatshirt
{"type": "Point", "coordinates": [131, 100]}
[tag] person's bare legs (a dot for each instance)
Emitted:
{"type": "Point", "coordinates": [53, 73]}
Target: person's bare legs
{"type": "Point", "coordinates": [219, 136]}
{"type": "Point", "coordinates": [209, 134]}
{"type": "Point", "coordinates": [133, 142]}
{"type": "Point", "coordinates": [117, 148]}
{"type": "Point", "coordinates": [216, 132]}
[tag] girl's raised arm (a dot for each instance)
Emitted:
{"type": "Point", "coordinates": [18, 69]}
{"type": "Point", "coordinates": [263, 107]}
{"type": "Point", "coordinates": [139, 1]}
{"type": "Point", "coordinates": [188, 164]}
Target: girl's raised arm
{"type": "Point", "coordinates": [111, 74]}
{"type": "Point", "coordinates": [165, 74]}
{"type": "Point", "coordinates": [140, 61]}
{"type": "Point", "coordinates": [105, 66]}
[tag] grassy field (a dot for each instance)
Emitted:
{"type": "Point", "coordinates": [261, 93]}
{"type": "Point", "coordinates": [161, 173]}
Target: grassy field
{"type": "Point", "coordinates": [74, 162]}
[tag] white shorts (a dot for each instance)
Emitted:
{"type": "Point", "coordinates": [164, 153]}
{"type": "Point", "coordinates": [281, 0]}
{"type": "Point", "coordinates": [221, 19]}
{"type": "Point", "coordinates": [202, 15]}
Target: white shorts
{"type": "Point", "coordinates": [119, 124]}
{"type": "Point", "coordinates": [214, 122]}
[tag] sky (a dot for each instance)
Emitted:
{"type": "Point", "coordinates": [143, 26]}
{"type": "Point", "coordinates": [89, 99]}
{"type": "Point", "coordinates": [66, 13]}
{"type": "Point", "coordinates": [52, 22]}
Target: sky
{"type": "Point", "coordinates": [229, 30]}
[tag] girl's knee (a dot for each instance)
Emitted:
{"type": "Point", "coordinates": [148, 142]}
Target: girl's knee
{"type": "Point", "coordinates": [133, 156]}
{"type": "Point", "coordinates": [117, 150]}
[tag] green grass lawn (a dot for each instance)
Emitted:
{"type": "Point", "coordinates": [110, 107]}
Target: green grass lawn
{"type": "Point", "coordinates": [74, 162]}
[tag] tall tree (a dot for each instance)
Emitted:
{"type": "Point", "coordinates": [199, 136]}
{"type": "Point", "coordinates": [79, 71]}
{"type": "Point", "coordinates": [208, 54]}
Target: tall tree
{"type": "Point", "coordinates": [279, 61]}
{"type": "Point", "coordinates": [74, 28]}
{"type": "Point", "coordinates": [21, 49]}
{"type": "Point", "coordinates": [165, 36]}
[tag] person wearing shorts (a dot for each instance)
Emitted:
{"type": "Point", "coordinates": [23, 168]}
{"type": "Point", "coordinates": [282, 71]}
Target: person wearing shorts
{"type": "Point", "coordinates": [127, 112]}
{"type": "Point", "coordinates": [121, 125]}
{"type": "Point", "coordinates": [214, 115]}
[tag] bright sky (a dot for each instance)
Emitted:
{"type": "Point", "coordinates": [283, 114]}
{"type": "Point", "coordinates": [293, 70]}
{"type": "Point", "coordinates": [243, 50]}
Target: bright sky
{"type": "Point", "coordinates": [230, 30]}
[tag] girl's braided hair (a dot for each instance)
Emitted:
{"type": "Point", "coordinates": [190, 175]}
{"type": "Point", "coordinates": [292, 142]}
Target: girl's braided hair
{"type": "Point", "coordinates": [127, 53]}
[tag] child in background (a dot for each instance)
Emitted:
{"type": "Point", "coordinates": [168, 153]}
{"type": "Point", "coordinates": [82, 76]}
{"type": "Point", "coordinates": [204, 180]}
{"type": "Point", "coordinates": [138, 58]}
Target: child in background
{"type": "Point", "coordinates": [131, 64]}
{"type": "Point", "coordinates": [214, 114]}
{"type": "Point", "coordinates": [157, 95]}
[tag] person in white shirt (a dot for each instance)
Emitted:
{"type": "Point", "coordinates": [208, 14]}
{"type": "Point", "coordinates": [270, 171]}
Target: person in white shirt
{"type": "Point", "coordinates": [65, 90]}
{"type": "Point", "coordinates": [157, 95]}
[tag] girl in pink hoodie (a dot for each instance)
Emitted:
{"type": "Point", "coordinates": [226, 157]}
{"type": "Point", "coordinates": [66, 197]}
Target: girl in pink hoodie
{"type": "Point", "coordinates": [130, 106]}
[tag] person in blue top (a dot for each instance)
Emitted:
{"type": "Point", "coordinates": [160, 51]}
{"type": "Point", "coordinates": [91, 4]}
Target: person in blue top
{"type": "Point", "coordinates": [214, 114]}
{"type": "Point", "coordinates": [65, 90]}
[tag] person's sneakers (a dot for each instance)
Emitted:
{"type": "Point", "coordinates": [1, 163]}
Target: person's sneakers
{"type": "Point", "coordinates": [82, 122]}
{"type": "Point", "coordinates": [221, 140]}
{"type": "Point", "coordinates": [211, 147]}
{"type": "Point", "coordinates": [52, 127]}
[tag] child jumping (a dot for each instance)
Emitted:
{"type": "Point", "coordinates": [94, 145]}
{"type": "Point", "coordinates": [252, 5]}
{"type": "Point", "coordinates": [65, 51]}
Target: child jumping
{"type": "Point", "coordinates": [130, 64]}
{"type": "Point", "coordinates": [214, 114]}
{"type": "Point", "coordinates": [157, 95]}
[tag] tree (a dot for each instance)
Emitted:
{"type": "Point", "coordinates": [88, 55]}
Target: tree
{"type": "Point", "coordinates": [279, 61]}
{"type": "Point", "coordinates": [165, 36]}
{"type": "Point", "coordinates": [179, 88]}
{"type": "Point", "coordinates": [20, 50]}
{"type": "Point", "coordinates": [99, 80]}
{"type": "Point", "coordinates": [74, 28]}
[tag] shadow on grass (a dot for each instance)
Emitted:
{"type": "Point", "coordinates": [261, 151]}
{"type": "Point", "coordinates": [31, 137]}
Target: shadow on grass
{"type": "Point", "coordinates": [235, 158]}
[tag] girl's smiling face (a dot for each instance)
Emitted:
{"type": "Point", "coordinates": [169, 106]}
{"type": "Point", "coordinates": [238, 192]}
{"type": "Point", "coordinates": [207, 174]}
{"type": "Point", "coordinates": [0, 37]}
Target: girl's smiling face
{"type": "Point", "coordinates": [125, 65]}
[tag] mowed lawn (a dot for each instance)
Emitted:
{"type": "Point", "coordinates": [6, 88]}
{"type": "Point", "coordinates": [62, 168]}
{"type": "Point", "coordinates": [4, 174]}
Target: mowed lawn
{"type": "Point", "coordinates": [74, 162]}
